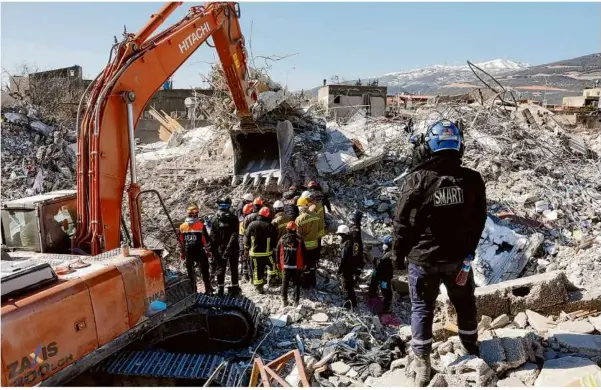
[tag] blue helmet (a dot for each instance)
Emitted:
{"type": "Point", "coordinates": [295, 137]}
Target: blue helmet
{"type": "Point", "coordinates": [444, 135]}
{"type": "Point", "coordinates": [387, 240]}
{"type": "Point", "coordinates": [224, 203]}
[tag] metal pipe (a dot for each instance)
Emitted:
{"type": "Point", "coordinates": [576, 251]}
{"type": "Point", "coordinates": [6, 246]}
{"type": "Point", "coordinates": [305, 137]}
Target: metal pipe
{"type": "Point", "coordinates": [132, 143]}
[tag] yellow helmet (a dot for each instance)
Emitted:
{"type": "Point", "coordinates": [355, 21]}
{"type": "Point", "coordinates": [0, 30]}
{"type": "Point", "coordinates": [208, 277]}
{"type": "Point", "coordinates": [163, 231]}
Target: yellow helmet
{"type": "Point", "coordinates": [302, 202]}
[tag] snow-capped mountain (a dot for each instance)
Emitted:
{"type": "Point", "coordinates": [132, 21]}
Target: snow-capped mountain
{"type": "Point", "coordinates": [441, 75]}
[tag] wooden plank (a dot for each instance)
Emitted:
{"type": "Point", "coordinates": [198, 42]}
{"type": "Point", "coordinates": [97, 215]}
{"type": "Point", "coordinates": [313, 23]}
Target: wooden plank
{"type": "Point", "coordinates": [275, 376]}
{"type": "Point", "coordinates": [264, 377]}
{"type": "Point", "coordinates": [254, 376]}
{"type": "Point", "coordinates": [282, 359]}
{"type": "Point", "coordinates": [300, 366]}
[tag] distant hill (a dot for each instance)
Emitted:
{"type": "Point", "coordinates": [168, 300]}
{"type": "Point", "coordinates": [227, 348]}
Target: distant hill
{"type": "Point", "coordinates": [552, 81]}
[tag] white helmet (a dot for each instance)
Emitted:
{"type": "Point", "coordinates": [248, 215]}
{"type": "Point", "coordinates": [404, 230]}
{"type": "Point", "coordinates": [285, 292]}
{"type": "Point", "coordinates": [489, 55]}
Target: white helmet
{"type": "Point", "coordinates": [342, 229]}
{"type": "Point", "coordinates": [278, 204]}
{"type": "Point", "coordinates": [248, 197]}
{"type": "Point", "coordinates": [306, 195]}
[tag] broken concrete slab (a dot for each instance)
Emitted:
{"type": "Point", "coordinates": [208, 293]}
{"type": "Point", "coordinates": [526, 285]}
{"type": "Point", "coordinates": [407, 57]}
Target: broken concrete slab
{"type": "Point", "coordinates": [320, 317]}
{"type": "Point", "coordinates": [526, 374]}
{"type": "Point", "coordinates": [539, 322]}
{"type": "Point", "coordinates": [596, 322]}
{"type": "Point", "coordinates": [473, 370]}
{"type": "Point", "coordinates": [279, 320]}
{"type": "Point", "coordinates": [500, 321]}
{"type": "Point", "coordinates": [442, 380]}
{"type": "Point", "coordinates": [340, 367]}
{"type": "Point", "coordinates": [502, 354]}
{"type": "Point", "coordinates": [502, 253]}
{"type": "Point", "coordinates": [510, 382]}
{"type": "Point", "coordinates": [514, 296]}
{"type": "Point", "coordinates": [485, 323]}
{"type": "Point", "coordinates": [561, 372]}
{"type": "Point", "coordinates": [576, 327]}
{"type": "Point", "coordinates": [586, 344]}
{"type": "Point", "coordinates": [393, 378]}
{"type": "Point", "coordinates": [520, 320]}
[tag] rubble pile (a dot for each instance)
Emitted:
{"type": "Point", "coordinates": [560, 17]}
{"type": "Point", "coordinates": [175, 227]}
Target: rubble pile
{"type": "Point", "coordinates": [37, 154]}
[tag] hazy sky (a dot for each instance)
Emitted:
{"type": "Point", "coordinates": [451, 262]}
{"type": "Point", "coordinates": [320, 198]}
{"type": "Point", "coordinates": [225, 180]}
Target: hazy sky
{"type": "Point", "coordinates": [347, 39]}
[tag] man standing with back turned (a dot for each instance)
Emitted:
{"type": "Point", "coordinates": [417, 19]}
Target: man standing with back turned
{"type": "Point", "coordinates": [439, 219]}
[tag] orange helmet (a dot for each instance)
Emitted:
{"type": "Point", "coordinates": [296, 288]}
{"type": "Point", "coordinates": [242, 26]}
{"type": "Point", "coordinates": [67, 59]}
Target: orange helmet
{"type": "Point", "coordinates": [264, 212]}
{"type": "Point", "coordinates": [291, 226]}
{"type": "Point", "coordinates": [258, 202]}
{"type": "Point", "coordinates": [312, 184]}
{"type": "Point", "coordinates": [247, 209]}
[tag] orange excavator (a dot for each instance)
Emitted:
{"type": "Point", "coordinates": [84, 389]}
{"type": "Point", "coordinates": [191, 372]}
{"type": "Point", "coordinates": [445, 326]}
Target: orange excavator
{"type": "Point", "coordinates": [75, 304]}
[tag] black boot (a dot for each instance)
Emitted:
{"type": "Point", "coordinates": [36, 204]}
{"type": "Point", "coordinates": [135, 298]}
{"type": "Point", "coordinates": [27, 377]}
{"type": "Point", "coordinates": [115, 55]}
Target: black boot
{"type": "Point", "coordinates": [260, 289]}
{"type": "Point", "coordinates": [221, 291]}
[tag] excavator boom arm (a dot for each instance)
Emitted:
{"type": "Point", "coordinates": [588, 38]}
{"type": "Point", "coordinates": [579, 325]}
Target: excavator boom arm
{"type": "Point", "coordinates": [138, 67]}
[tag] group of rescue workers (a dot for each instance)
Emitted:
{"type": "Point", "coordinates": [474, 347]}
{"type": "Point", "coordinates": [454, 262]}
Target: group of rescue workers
{"type": "Point", "coordinates": [439, 218]}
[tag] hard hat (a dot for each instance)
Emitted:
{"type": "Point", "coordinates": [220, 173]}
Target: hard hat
{"type": "Point", "coordinates": [247, 209]}
{"type": "Point", "coordinates": [302, 202]}
{"type": "Point", "coordinates": [258, 201]}
{"type": "Point", "coordinates": [387, 239]}
{"type": "Point", "coordinates": [193, 208]}
{"type": "Point", "coordinates": [291, 225]}
{"type": "Point", "coordinates": [443, 135]}
{"type": "Point", "coordinates": [278, 205]}
{"type": "Point", "coordinates": [342, 229]}
{"type": "Point", "coordinates": [306, 194]}
{"type": "Point", "coordinates": [224, 203]}
{"type": "Point", "coordinates": [264, 212]}
{"type": "Point", "coordinates": [312, 184]}
{"type": "Point", "coordinates": [248, 197]}
{"type": "Point", "coordinates": [356, 217]}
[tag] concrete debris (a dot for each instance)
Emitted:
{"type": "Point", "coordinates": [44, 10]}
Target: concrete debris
{"type": "Point", "coordinates": [596, 322]}
{"type": "Point", "coordinates": [561, 372]}
{"type": "Point", "coordinates": [395, 378]}
{"type": "Point", "coordinates": [473, 370]}
{"type": "Point", "coordinates": [340, 367]}
{"type": "Point", "coordinates": [485, 323]}
{"type": "Point", "coordinates": [500, 321]}
{"type": "Point", "coordinates": [36, 156]}
{"type": "Point", "coordinates": [585, 344]}
{"type": "Point", "coordinates": [521, 320]}
{"type": "Point", "coordinates": [320, 317]}
{"type": "Point", "coordinates": [510, 382]}
{"type": "Point", "coordinates": [539, 322]}
{"type": "Point", "coordinates": [576, 327]}
{"type": "Point", "coordinates": [526, 374]}
{"type": "Point", "coordinates": [279, 321]}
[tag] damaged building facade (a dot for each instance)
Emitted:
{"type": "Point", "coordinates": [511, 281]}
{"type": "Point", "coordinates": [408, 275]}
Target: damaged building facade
{"type": "Point", "coordinates": [343, 101]}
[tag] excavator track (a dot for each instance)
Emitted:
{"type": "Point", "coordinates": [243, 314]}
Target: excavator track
{"type": "Point", "coordinates": [165, 365]}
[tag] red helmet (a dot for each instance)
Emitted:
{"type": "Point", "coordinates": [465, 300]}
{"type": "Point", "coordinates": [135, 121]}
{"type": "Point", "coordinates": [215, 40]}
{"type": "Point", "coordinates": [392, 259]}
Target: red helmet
{"type": "Point", "coordinates": [258, 202]}
{"type": "Point", "coordinates": [291, 226]}
{"type": "Point", "coordinates": [247, 209]}
{"type": "Point", "coordinates": [312, 184]}
{"type": "Point", "coordinates": [264, 212]}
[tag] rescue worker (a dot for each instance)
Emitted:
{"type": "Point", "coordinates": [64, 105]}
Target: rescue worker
{"type": "Point", "coordinates": [257, 205]}
{"type": "Point", "coordinates": [194, 241]}
{"type": "Point", "coordinates": [280, 219]}
{"type": "Point", "coordinates": [290, 198]}
{"type": "Point", "coordinates": [355, 231]}
{"type": "Point", "coordinates": [319, 195]}
{"type": "Point", "coordinates": [224, 237]}
{"type": "Point", "coordinates": [291, 253]}
{"type": "Point", "coordinates": [308, 226]}
{"type": "Point", "coordinates": [439, 219]}
{"type": "Point", "coordinates": [382, 274]}
{"type": "Point", "coordinates": [259, 241]}
{"type": "Point", "coordinates": [246, 199]}
{"type": "Point", "coordinates": [347, 266]}
{"type": "Point", "coordinates": [244, 260]}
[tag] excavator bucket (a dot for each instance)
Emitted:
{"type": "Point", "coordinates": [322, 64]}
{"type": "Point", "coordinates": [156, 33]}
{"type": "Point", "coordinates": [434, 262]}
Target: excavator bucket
{"type": "Point", "coordinates": [261, 154]}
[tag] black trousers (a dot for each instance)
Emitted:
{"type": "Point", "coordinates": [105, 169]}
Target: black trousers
{"type": "Point", "coordinates": [223, 260]}
{"type": "Point", "coordinates": [383, 284]}
{"type": "Point", "coordinates": [199, 258]}
{"type": "Point", "coordinates": [243, 260]}
{"type": "Point", "coordinates": [310, 278]}
{"type": "Point", "coordinates": [348, 285]}
{"type": "Point", "coordinates": [294, 276]}
{"type": "Point", "coordinates": [424, 285]}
